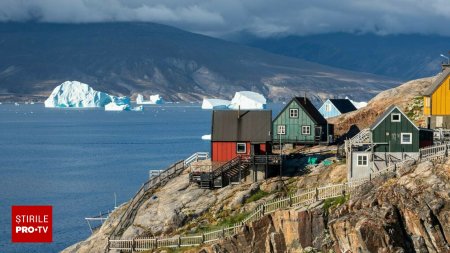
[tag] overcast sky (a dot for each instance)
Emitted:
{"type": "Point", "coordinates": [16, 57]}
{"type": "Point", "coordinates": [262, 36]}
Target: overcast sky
{"type": "Point", "coordinates": [260, 17]}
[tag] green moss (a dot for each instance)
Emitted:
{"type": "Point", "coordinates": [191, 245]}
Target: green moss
{"type": "Point", "coordinates": [257, 196]}
{"type": "Point", "coordinates": [332, 203]}
{"type": "Point", "coordinates": [228, 220]}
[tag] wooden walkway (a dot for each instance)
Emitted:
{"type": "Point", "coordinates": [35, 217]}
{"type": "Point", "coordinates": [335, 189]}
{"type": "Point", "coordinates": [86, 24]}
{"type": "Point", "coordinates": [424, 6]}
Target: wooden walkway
{"type": "Point", "coordinates": [305, 198]}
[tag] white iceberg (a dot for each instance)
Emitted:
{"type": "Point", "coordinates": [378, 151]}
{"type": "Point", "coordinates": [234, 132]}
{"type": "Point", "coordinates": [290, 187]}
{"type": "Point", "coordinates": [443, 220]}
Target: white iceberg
{"type": "Point", "coordinates": [79, 95]}
{"type": "Point", "coordinates": [154, 100]}
{"type": "Point", "coordinates": [213, 103]}
{"type": "Point", "coordinates": [113, 106]}
{"type": "Point", "coordinates": [248, 100]}
{"type": "Point", "coordinates": [358, 105]}
{"type": "Point", "coordinates": [138, 108]}
{"type": "Point", "coordinates": [206, 137]}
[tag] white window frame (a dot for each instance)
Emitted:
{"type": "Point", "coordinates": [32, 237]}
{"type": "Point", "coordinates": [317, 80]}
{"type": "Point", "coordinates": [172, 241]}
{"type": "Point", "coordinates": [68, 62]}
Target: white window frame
{"type": "Point", "coordinates": [404, 134]}
{"type": "Point", "coordinates": [396, 114]}
{"type": "Point", "coordinates": [281, 129]}
{"type": "Point", "coordinates": [327, 107]}
{"type": "Point", "coordinates": [293, 113]}
{"type": "Point", "coordinates": [306, 132]}
{"type": "Point", "coordinates": [245, 148]}
{"type": "Point", "coordinates": [362, 160]}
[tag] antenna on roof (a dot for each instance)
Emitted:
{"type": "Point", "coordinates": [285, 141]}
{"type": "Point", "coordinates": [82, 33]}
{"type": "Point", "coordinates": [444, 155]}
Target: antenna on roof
{"type": "Point", "coordinates": [304, 98]}
{"type": "Point", "coordinates": [239, 111]}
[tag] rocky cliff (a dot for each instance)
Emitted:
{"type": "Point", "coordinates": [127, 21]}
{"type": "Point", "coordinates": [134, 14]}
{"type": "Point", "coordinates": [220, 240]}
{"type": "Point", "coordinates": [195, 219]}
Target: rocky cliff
{"type": "Point", "coordinates": [404, 212]}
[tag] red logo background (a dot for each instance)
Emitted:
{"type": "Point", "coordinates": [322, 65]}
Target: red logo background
{"type": "Point", "coordinates": [39, 235]}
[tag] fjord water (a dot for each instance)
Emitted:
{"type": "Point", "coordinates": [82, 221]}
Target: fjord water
{"type": "Point", "coordinates": [76, 159]}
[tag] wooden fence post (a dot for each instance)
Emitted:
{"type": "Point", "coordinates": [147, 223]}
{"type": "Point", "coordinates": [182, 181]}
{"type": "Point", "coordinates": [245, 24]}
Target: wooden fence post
{"type": "Point", "coordinates": [179, 241]}
{"type": "Point", "coordinates": [156, 243]}
{"type": "Point", "coordinates": [290, 200]}
{"type": "Point", "coordinates": [203, 238]}
{"type": "Point", "coordinates": [223, 232]}
{"type": "Point", "coordinates": [133, 246]}
{"type": "Point", "coordinates": [316, 195]}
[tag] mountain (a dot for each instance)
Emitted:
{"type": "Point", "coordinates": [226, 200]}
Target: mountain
{"type": "Point", "coordinates": [400, 56]}
{"type": "Point", "coordinates": [149, 58]}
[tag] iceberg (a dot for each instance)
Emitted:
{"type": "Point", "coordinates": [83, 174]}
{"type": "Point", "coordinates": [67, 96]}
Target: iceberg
{"type": "Point", "coordinates": [79, 95]}
{"type": "Point", "coordinates": [212, 103]}
{"type": "Point", "coordinates": [206, 137]}
{"type": "Point", "coordinates": [154, 100]}
{"type": "Point", "coordinates": [113, 106]}
{"type": "Point", "coordinates": [248, 100]}
{"type": "Point", "coordinates": [358, 105]}
{"type": "Point", "coordinates": [138, 108]}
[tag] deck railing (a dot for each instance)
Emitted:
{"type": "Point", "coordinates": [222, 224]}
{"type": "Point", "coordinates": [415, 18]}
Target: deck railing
{"type": "Point", "coordinates": [306, 197]}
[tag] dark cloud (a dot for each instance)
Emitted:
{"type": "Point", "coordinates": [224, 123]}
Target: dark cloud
{"type": "Point", "coordinates": [260, 17]}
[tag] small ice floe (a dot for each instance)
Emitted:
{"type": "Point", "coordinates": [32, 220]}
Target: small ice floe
{"type": "Point", "coordinates": [154, 100]}
{"type": "Point", "coordinates": [206, 137]}
{"type": "Point", "coordinates": [16, 104]}
{"type": "Point", "coordinates": [138, 108]}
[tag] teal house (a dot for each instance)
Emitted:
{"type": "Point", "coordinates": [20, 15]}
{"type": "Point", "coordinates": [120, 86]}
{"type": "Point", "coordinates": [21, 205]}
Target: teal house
{"type": "Point", "coordinates": [301, 123]}
{"type": "Point", "coordinates": [336, 107]}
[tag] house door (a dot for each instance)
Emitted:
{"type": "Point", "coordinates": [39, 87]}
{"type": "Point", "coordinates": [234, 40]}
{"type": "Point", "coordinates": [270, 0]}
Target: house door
{"type": "Point", "coordinates": [317, 134]}
{"type": "Point", "coordinates": [256, 149]}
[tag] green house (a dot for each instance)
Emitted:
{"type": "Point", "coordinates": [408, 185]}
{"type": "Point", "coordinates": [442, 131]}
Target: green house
{"type": "Point", "coordinates": [301, 123]}
{"type": "Point", "coordinates": [393, 137]}
{"type": "Point", "coordinates": [395, 132]}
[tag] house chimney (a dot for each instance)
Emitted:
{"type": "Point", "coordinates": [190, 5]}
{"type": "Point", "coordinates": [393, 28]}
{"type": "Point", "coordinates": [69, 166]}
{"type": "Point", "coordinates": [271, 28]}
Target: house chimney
{"type": "Point", "coordinates": [239, 111]}
{"type": "Point", "coordinates": [304, 98]}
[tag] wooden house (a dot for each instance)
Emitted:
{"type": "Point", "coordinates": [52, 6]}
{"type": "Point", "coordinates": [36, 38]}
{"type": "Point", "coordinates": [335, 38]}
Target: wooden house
{"type": "Point", "coordinates": [436, 101]}
{"type": "Point", "coordinates": [393, 137]}
{"type": "Point", "coordinates": [240, 132]}
{"type": "Point", "coordinates": [301, 123]}
{"type": "Point", "coordinates": [336, 107]}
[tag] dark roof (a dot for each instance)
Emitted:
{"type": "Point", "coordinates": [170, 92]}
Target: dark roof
{"type": "Point", "coordinates": [253, 126]}
{"type": "Point", "coordinates": [386, 113]}
{"type": "Point", "coordinates": [311, 110]}
{"type": "Point", "coordinates": [343, 105]}
{"type": "Point", "coordinates": [440, 78]}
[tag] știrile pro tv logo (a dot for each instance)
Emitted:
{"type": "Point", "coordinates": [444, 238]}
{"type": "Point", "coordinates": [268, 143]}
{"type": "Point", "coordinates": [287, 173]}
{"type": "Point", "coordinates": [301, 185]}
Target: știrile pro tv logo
{"type": "Point", "coordinates": [31, 224]}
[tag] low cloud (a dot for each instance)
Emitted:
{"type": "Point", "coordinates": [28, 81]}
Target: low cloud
{"type": "Point", "coordinates": [260, 17]}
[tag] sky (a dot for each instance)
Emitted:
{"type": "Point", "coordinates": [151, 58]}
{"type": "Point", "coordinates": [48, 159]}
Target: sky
{"type": "Point", "coordinates": [262, 18]}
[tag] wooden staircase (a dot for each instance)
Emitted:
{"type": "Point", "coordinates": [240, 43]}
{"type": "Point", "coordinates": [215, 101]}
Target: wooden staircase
{"type": "Point", "coordinates": [232, 171]}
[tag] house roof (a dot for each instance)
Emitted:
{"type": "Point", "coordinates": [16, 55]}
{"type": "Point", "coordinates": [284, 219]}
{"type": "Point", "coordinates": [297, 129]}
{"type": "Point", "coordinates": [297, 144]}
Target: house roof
{"type": "Point", "coordinates": [242, 125]}
{"type": "Point", "coordinates": [343, 105]}
{"type": "Point", "coordinates": [440, 78]}
{"type": "Point", "coordinates": [311, 110]}
{"type": "Point", "coordinates": [386, 113]}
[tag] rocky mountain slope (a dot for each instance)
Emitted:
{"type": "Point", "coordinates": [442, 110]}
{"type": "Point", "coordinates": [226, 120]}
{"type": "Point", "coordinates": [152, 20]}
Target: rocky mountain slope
{"type": "Point", "coordinates": [407, 96]}
{"type": "Point", "coordinates": [148, 58]}
{"type": "Point", "coordinates": [405, 56]}
{"type": "Point", "coordinates": [404, 212]}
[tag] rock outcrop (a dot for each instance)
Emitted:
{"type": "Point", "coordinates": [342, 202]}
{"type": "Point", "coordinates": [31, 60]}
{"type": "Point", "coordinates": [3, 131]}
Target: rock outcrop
{"type": "Point", "coordinates": [407, 212]}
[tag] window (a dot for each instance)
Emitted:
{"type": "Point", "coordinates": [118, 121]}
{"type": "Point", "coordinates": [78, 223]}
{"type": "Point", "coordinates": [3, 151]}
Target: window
{"type": "Point", "coordinates": [363, 160]}
{"type": "Point", "coordinates": [281, 129]}
{"type": "Point", "coordinates": [241, 148]}
{"type": "Point", "coordinates": [395, 117]}
{"type": "Point", "coordinates": [306, 130]}
{"type": "Point", "coordinates": [293, 113]}
{"type": "Point", "coordinates": [406, 138]}
{"type": "Point", "coordinates": [328, 108]}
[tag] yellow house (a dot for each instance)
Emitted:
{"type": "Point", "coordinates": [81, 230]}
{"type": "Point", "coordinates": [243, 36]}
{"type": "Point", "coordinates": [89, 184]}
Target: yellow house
{"type": "Point", "coordinates": [436, 101]}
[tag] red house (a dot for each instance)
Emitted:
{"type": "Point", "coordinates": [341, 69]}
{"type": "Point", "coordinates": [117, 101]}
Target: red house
{"type": "Point", "coordinates": [240, 133]}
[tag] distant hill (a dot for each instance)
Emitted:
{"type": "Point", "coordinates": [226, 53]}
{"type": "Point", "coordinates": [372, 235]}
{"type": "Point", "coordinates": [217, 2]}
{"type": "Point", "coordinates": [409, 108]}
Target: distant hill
{"type": "Point", "coordinates": [127, 58]}
{"type": "Point", "coordinates": [400, 56]}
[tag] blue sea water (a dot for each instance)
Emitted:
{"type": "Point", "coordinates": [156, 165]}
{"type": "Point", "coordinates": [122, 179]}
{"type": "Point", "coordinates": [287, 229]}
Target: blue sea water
{"type": "Point", "coordinates": [75, 160]}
